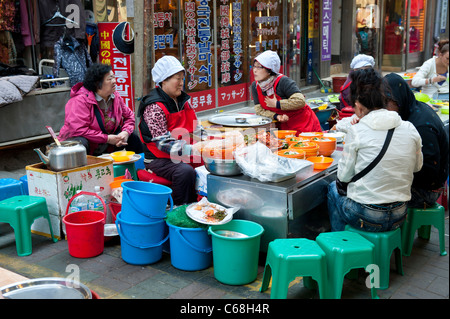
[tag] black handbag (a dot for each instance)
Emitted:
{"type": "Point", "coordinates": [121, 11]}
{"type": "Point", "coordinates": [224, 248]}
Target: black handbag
{"type": "Point", "coordinates": [342, 186]}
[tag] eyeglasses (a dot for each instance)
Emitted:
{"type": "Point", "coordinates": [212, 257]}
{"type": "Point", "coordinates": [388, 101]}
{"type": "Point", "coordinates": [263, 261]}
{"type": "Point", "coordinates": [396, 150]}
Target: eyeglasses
{"type": "Point", "coordinates": [258, 67]}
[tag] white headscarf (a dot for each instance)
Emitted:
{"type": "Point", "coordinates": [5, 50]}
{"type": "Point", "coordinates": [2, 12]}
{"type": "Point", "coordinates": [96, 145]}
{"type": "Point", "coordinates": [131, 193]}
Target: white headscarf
{"type": "Point", "coordinates": [270, 60]}
{"type": "Point", "coordinates": [165, 67]}
{"type": "Point", "coordinates": [362, 60]}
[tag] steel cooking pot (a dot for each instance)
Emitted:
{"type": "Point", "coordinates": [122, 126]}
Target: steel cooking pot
{"type": "Point", "coordinates": [70, 154]}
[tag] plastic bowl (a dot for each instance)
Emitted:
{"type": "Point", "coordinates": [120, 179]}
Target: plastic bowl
{"type": "Point", "coordinates": [122, 156]}
{"type": "Point", "coordinates": [311, 149]}
{"type": "Point", "coordinates": [282, 134]}
{"type": "Point", "coordinates": [327, 145]}
{"type": "Point", "coordinates": [299, 154]}
{"type": "Point", "coordinates": [422, 97]}
{"type": "Point", "coordinates": [320, 162]}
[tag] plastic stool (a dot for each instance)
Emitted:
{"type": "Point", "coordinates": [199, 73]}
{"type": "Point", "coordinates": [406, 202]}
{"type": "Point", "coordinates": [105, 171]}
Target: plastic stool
{"type": "Point", "coordinates": [139, 164]}
{"type": "Point", "coordinates": [119, 170]}
{"type": "Point", "coordinates": [344, 251]}
{"type": "Point", "coordinates": [24, 181]}
{"type": "Point", "coordinates": [422, 219]}
{"type": "Point", "coordinates": [20, 212]}
{"type": "Point", "coordinates": [10, 187]}
{"type": "Point", "coordinates": [289, 258]}
{"type": "Point", "coordinates": [385, 244]}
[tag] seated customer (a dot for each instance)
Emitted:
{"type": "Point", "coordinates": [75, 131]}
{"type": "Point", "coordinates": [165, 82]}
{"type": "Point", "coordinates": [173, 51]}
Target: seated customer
{"type": "Point", "coordinates": [428, 183]}
{"type": "Point", "coordinates": [97, 116]}
{"type": "Point", "coordinates": [376, 201]}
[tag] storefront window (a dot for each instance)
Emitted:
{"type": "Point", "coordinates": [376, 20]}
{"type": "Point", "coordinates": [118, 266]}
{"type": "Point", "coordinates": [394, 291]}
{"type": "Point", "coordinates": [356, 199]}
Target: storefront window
{"type": "Point", "coordinates": [394, 27]}
{"type": "Point", "coordinates": [266, 18]}
{"type": "Point", "coordinates": [167, 28]}
{"type": "Point", "coordinates": [367, 27]}
{"type": "Point", "coordinates": [417, 25]}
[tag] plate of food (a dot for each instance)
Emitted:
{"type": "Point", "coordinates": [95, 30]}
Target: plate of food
{"type": "Point", "coordinates": [208, 213]}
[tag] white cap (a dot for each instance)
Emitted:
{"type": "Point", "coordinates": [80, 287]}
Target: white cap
{"type": "Point", "coordinates": [270, 60]}
{"type": "Point", "coordinates": [362, 60]}
{"type": "Point", "coordinates": [165, 67]}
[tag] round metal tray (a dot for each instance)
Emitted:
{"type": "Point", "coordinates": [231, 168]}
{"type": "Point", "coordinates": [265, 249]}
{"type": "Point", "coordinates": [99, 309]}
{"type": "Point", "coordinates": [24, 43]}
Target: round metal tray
{"type": "Point", "coordinates": [230, 120]}
{"type": "Point", "coordinates": [46, 288]}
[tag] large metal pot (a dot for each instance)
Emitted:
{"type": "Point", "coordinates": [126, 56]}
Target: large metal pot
{"type": "Point", "coordinates": [70, 154]}
{"type": "Point", "coordinates": [223, 167]}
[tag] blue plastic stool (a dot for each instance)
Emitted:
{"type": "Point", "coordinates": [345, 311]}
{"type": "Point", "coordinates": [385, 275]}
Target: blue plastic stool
{"type": "Point", "coordinates": [139, 164]}
{"type": "Point", "coordinates": [10, 187]}
{"type": "Point", "coordinates": [385, 244]}
{"type": "Point", "coordinates": [422, 220]}
{"type": "Point", "coordinates": [345, 251]}
{"type": "Point", "coordinates": [290, 258]}
{"type": "Point", "coordinates": [24, 181]}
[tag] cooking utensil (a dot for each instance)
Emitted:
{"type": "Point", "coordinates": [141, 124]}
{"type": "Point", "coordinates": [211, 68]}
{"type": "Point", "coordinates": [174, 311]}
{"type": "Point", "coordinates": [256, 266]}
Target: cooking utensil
{"type": "Point", "coordinates": [68, 155]}
{"type": "Point", "coordinates": [230, 120]}
{"type": "Point", "coordinates": [52, 133]}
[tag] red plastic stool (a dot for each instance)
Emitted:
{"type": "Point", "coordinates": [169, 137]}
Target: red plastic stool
{"type": "Point", "coordinates": [145, 176]}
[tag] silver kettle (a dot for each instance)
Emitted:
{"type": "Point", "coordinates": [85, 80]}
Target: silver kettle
{"type": "Point", "coordinates": [68, 155]}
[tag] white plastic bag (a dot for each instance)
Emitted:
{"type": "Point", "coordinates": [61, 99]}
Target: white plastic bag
{"type": "Point", "coordinates": [257, 161]}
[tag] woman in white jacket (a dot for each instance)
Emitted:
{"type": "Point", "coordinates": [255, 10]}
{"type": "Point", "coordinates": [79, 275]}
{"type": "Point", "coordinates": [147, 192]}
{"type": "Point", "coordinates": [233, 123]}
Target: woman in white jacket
{"type": "Point", "coordinates": [433, 74]}
{"type": "Point", "coordinates": [377, 201]}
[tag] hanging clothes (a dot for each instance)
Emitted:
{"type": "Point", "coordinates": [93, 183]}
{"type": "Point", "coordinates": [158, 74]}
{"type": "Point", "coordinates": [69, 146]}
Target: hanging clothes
{"type": "Point", "coordinates": [50, 34]}
{"type": "Point", "coordinates": [30, 33]}
{"type": "Point", "coordinates": [72, 56]}
{"type": "Point", "coordinates": [7, 15]}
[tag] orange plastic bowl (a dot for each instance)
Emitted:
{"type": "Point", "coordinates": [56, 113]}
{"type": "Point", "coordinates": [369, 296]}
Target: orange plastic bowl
{"type": "Point", "coordinates": [295, 139]}
{"type": "Point", "coordinates": [310, 135]}
{"type": "Point", "coordinates": [327, 145]}
{"type": "Point", "coordinates": [282, 134]}
{"type": "Point", "coordinates": [320, 162]}
{"type": "Point", "coordinates": [304, 145]}
{"type": "Point", "coordinates": [290, 153]}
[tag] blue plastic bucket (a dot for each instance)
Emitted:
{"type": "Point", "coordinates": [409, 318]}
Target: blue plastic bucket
{"type": "Point", "coordinates": [144, 202]}
{"type": "Point", "coordinates": [236, 246]}
{"type": "Point", "coordinates": [141, 243]}
{"type": "Point", "coordinates": [190, 248]}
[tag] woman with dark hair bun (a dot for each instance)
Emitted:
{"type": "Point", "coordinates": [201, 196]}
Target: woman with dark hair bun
{"type": "Point", "coordinates": [377, 200]}
{"type": "Point", "coordinates": [97, 116]}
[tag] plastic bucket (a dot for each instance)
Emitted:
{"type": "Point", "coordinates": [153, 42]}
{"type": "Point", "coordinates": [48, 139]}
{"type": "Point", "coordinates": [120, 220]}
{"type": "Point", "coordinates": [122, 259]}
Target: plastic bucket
{"type": "Point", "coordinates": [338, 81]}
{"type": "Point", "coordinates": [235, 259]}
{"type": "Point", "coordinates": [85, 231]}
{"type": "Point", "coordinates": [190, 248]}
{"type": "Point", "coordinates": [141, 243]}
{"type": "Point", "coordinates": [144, 202]}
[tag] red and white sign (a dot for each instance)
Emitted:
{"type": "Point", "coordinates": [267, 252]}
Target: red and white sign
{"type": "Point", "coordinates": [120, 63]}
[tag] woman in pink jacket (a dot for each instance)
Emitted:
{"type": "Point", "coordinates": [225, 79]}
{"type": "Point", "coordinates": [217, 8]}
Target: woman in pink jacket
{"type": "Point", "coordinates": [97, 116]}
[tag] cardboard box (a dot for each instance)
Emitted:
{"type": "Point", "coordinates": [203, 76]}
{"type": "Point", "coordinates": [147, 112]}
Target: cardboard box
{"type": "Point", "coordinates": [59, 187]}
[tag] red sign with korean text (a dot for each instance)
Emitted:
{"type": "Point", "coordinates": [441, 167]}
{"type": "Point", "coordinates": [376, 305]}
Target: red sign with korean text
{"type": "Point", "coordinates": [120, 63]}
{"type": "Point", "coordinates": [233, 94]}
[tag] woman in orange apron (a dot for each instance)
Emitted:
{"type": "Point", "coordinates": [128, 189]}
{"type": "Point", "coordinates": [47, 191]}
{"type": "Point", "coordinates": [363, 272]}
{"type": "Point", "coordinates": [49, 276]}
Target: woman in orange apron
{"type": "Point", "coordinates": [278, 97]}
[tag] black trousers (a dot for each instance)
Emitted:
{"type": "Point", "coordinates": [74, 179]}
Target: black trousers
{"type": "Point", "coordinates": [134, 145]}
{"type": "Point", "coordinates": [181, 175]}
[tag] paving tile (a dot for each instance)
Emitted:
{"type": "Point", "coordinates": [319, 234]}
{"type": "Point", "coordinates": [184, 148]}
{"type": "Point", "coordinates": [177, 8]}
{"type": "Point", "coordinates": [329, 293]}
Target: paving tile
{"type": "Point", "coordinates": [439, 286]}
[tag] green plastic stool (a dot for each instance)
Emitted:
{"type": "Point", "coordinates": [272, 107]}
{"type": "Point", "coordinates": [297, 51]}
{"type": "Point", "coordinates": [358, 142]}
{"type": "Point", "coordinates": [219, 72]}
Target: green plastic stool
{"type": "Point", "coordinates": [20, 212]}
{"type": "Point", "coordinates": [345, 251]}
{"type": "Point", "coordinates": [290, 258]}
{"type": "Point", "coordinates": [385, 244]}
{"type": "Point", "coordinates": [423, 219]}
{"type": "Point", "coordinates": [119, 170]}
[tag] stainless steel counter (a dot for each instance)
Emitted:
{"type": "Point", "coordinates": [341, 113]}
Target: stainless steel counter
{"type": "Point", "coordinates": [273, 205]}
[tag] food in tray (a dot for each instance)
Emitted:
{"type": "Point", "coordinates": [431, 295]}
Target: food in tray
{"type": "Point", "coordinates": [212, 212]}
{"type": "Point", "coordinates": [265, 138]}
{"type": "Point", "coordinates": [316, 101]}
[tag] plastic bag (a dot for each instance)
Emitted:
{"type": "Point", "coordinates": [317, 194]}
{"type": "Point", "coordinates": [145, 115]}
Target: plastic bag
{"type": "Point", "coordinates": [257, 161]}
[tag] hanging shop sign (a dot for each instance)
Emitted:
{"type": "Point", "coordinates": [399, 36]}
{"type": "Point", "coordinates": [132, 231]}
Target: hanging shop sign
{"type": "Point", "coordinates": [120, 63]}
{"type": "Point", "coordinates": [198, 54]}
{"type": "Point", "coordinates": [309, 66]}
{"type": "Point", "coordinates": [326, 30]}
{"type": "Point", "coordinates": [232, 90]}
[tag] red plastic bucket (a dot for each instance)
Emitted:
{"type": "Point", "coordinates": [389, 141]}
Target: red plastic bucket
{"type": "Point", "coordinates": [85, 231]}
{"type": "Point", "coordinates": [338, 81]}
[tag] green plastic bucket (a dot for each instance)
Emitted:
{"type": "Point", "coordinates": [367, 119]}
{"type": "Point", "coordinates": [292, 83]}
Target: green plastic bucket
{"type": "Point", "coordinates": [236, 251]}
